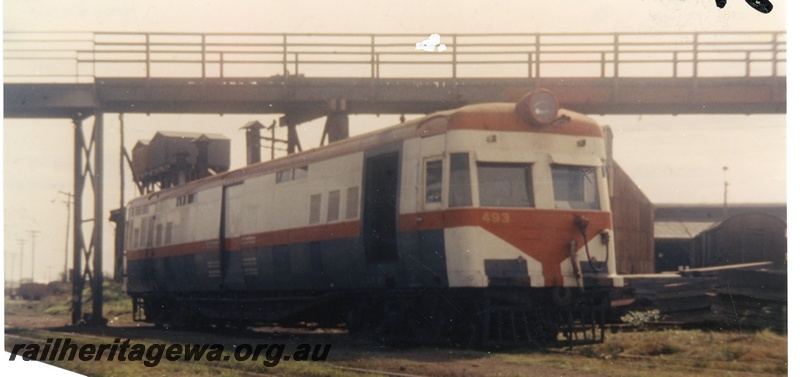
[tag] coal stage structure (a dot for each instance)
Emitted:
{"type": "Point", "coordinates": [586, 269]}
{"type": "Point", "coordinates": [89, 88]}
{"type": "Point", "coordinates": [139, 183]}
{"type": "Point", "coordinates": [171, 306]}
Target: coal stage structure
{"type": "Point", "coordinates": [174, 158]}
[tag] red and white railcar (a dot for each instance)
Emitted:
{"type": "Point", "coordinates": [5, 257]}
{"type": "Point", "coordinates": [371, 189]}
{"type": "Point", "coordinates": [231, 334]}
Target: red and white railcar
{"type": "Point", "coordinates": [456, 221]}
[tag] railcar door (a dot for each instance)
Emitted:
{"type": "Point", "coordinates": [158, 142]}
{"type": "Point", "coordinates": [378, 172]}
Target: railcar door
{"type": "Point", "coordinates": [230, 235]}
{"type": "Point", "coordinates": [150, 274]}
{"type": "Point", "coordinates": [381, 179]}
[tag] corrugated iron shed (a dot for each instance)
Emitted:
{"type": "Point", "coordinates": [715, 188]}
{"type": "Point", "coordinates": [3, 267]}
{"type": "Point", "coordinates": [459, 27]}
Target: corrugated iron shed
{"type": "Point", "coordinates": [633, 215]}
{"type": "Point", "coordinates": [743, 238]}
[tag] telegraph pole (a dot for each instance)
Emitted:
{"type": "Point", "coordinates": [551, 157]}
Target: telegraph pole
{"type": "Point", "coordinates": [66, 242]}
{"type": "Point", "coordinates": [21, 253]}
{"type": "Point", "coordinates": [725, 194]}
{"type": "Point", "coordinates": [33, 251]}
{"type": "Point", "coordinates": [13, 259]}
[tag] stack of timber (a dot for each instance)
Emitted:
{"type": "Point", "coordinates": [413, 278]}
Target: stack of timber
{"type": "Point", "coordinates": [752, 298]}
{"type": "Point", "coordinates": [677, 298]}
{"type": "Point", "coordinates": [752, 295]}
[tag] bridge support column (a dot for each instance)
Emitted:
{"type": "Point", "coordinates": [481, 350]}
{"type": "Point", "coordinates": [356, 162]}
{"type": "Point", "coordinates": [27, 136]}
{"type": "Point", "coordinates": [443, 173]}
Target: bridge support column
{"type": "Point", "coordinates": [337, 125]}
{"type": "Point", "coordinates": [294, 140]}
{"type": "Point", "coordinates": [290, 121]}
{"type": "Point", "coordinates": [78, 179]}
{"type": "Point", "coordinates": [88, 261]}
{"type": "Point", "coordinates": [97, 231]}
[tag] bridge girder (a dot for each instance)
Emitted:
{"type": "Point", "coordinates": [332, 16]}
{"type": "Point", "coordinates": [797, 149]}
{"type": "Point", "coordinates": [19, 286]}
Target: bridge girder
{"type": "Point", "coordinates": [301, 97]}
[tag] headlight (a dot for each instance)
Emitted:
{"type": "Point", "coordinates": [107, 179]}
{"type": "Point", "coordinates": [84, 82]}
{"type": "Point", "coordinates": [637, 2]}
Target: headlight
{"type": "Point", "coordinates": [539, 107]}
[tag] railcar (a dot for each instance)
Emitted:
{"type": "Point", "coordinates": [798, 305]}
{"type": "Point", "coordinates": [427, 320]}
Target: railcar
{"type": "Point", "coordinates": [487, 224]}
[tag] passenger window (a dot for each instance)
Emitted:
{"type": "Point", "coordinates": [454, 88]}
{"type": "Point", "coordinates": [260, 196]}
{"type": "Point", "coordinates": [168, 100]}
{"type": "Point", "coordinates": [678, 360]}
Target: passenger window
{"type": "Point", "coordinates": [460, 185]}
{"type": "Point", "coordinates": [150, 225]}
{"type": "Point", "coordinates": [168, 235]}
{"type": "Point", "coordinates": [143, 233]}
{"type": "Point", "coordinates": [159, 232]}
{"type": "Point", "coordinates": [135, 241]}
{"type": "Point", "coordinates": [333, 206]}
{"type": "Point", "coordinates": [314, 214]}
{"type": "Point", "coordinates": [505, 185]}
{"type": "Point", "coordinates": [433, 181]}
{"type": "Point", "coordinates": [300, 173]}
{"type": "Point", "coordinates": [292, 174]}
{"type": "Point", "coordinates": [351, 212]}
{"type": "Point", "coordinates": [283, 176]}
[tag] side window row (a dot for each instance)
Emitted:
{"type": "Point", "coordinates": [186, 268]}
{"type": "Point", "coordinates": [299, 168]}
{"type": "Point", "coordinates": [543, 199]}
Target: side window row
{"type": "Point", "coordinates": [334, 200]}
{"type": "Point", "coordinates": [291, 174]}
{"type": "Point", "coordinates": [139, 237]}
{"type": "Point", "coordinates": [140, 210]}
{"type": "Point", "coordinates": [186, 199]}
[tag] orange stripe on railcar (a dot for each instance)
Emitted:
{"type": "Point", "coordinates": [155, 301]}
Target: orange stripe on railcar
{"type": "Point", "coordinates": [324, 232]}
{"type": "Point", "coordinates": [543, 235]}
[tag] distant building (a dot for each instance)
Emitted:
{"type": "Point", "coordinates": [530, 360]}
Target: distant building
{"type": "Point", "coordinates": [702, 235]}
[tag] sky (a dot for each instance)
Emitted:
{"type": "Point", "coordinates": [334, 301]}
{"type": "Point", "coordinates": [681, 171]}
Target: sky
{"type": "Point", "coordinates": [674, 159]}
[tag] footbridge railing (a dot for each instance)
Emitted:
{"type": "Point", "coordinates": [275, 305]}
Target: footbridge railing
{"type": "Point", "coordinates": [82, 57]}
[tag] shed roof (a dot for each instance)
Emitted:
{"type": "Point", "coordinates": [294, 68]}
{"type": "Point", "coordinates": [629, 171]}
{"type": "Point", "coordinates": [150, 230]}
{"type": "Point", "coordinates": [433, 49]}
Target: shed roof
{"type": "Point", "coordinates": [190, 135]}
{"type": "Point", "coordinates": [682, 230]}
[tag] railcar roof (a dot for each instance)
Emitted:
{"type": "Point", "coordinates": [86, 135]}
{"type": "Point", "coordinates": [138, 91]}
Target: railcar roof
{"type": "Point", "coordinates": [486, 116]}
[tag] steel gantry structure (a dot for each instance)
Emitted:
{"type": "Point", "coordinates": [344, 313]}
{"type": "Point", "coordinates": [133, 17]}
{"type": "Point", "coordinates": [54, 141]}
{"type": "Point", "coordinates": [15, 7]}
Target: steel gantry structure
{"type": "Point", "coordinates": [307, 76]}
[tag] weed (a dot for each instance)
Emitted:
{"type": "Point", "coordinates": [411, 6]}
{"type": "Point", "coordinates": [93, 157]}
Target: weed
{"type": "Point", "coordinates": [640, 319]}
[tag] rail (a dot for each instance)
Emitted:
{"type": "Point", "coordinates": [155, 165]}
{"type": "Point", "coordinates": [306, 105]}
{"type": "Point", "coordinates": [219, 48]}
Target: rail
{"type": "Point", "coordinates": [83, 57]}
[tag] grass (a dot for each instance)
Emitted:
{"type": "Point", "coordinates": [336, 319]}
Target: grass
{"type": "Point", "coordinates": [675, 353]}
{"type": "Point", "coordinates": [666, 353]}
{"type": "Point", "coordinates": [691, 351]}
{"type": "Point", "coordinates": [115, 302]}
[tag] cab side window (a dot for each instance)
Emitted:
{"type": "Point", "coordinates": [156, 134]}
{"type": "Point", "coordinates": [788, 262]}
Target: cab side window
{"type": "Point", "coordinates": [460, 185]}
{"type": "Point", "coordinates": [433, 181]}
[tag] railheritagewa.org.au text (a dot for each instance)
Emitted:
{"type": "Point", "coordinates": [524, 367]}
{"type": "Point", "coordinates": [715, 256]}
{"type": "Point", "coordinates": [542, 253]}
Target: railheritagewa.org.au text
{"type": "Point", "coordinates": [151, 355]}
